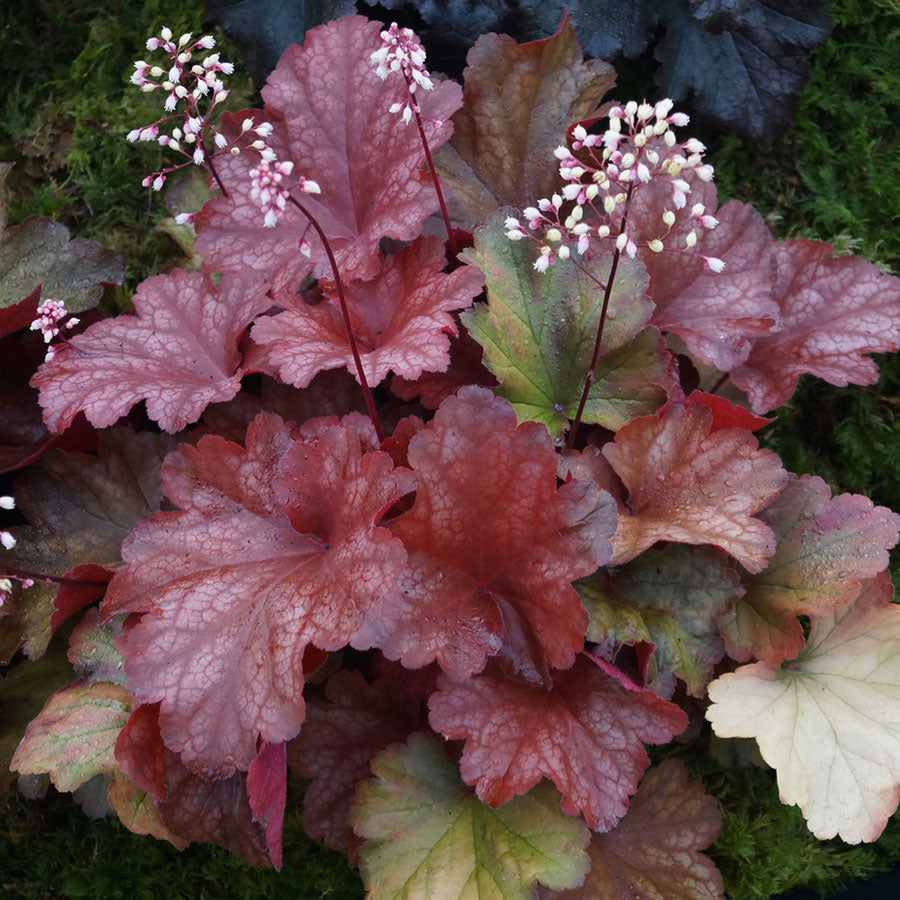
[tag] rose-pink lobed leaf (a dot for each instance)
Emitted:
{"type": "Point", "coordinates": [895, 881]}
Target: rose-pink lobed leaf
{"type": "Point", "coordinates": [833, 313]}
{"type": "Point", "coordinates": [401, 321]}
{"type": "Point", "coordinates": [233, 593]}
{"type": "Point", "coordinates": [717, 315]}
{"type": "Point", "coordinates": [494, 545]}
{"type": "Point", "coordinates": [331, 110]}
{"type": "Point", "coordinates": [691, 482]}
{"type": "Point", "coordinates": [179, 353]}
{"type": "Point", "coordinates": [586, 735]}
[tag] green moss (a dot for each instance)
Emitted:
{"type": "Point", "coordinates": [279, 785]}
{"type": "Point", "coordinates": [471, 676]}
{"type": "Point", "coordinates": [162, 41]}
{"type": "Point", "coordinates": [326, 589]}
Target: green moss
{"type": "Point", "coordinates": [49, 849]}
{"type": "Point", "coordinates": [765, 848]}
{"type": "Point", "coordinates": [67, 107]}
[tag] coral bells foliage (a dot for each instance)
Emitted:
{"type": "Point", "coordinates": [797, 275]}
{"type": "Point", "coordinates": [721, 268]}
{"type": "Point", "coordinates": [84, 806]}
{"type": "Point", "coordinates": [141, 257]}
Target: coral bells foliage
{"type": "Point", "coordinates": [547, 609]}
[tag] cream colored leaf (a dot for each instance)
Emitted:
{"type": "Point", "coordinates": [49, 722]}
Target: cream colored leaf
{"type": "Point", "coordinates": [828, 722]}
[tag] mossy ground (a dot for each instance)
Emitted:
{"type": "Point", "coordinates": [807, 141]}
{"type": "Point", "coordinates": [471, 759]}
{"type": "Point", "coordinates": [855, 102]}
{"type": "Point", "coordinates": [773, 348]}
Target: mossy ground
{"type": "Point", "coordinates": [834, 176]}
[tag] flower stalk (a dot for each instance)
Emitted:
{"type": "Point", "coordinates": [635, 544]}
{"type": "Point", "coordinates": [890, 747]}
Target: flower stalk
{"type": "Point", "coordinates": [345, 313]}
{"type": "Point", "coordinates": [401, 52]}
{"type": "Point", "coordinates": [607, 293]}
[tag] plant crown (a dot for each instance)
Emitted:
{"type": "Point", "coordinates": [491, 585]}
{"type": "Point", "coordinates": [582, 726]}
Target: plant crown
{"type": "Point", "coordinates": [454, 534]}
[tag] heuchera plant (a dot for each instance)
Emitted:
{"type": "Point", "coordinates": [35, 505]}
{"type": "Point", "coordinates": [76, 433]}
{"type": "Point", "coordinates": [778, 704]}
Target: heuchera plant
{"type": "Point", "coordinates": [453, 557]}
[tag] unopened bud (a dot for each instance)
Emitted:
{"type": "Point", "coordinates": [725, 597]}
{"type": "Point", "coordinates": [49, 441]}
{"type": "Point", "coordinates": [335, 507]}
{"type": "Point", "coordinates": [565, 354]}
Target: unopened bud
{"type": "Point", "coordinates": [656, 245]}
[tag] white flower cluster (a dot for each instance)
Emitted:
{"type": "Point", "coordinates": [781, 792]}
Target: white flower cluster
{"type": "Point", "coordinates": [401, 52]}
{"type": "Point", "coordinates": [638, 146]}
{"type": "Point", "coordinates": [182, 80]}
{"type": "Point", "coordinates": [49, 314]}
{"type": "Point", "coordinates": [269, 191]}
{"type": "Point", "coordinates": [199, 87]}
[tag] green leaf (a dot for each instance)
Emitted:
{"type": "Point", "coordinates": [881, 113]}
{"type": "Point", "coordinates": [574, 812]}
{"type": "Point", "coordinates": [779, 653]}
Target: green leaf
{"type": "Point", "coordinates": [538, 332]}
{"type": "Point", "coordinates": [670, 597]}
{"type": "Point", "coordinates": [430, 837]}
{"type": "Point", "coordinates": [74, 735]}
{"type": "Point", "coordinates": [92, 649]}
{"type": "Point", "coordinates": [23, 691]}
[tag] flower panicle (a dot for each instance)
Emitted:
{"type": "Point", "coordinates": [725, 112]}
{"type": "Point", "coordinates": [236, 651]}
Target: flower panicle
{"type": "Point", "coordinates": [638, 146]}
{"type": "Point", "coordinates": [269, 188]}
{"type": "Point", "coordinates": [193, 89]}
{"type": "Point", "coordinates": [401, 52]}
{"type": "Point", "coordinates": [48, 320]}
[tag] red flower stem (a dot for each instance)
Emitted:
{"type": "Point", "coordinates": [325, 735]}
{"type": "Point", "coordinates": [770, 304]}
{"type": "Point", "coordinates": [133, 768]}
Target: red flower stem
{"type": "Point", "coordinates": [715, 388]}
{"type": "Point", "coordinates": [437, 184]}
{"type": "Point", "coordinates": [370, 403]}
{"type": "Point", "coordinates": [215, 174]}
{"type": "Point", "coordinates": [22, 574]}
{"type": "Point", "coordinates": [607, 293]}
{"type": "Point", "coordinates": [589, 274]}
